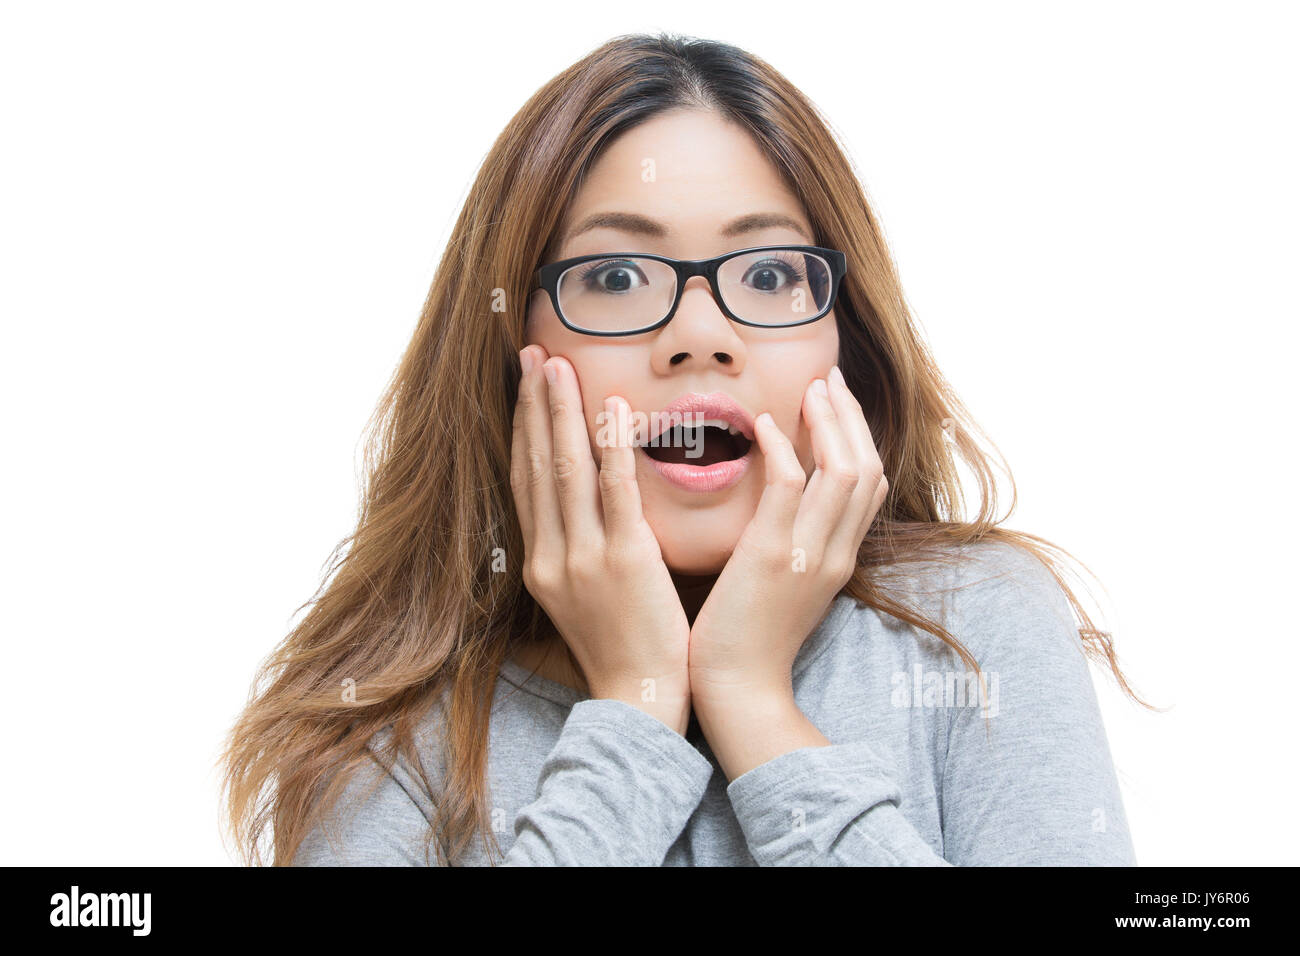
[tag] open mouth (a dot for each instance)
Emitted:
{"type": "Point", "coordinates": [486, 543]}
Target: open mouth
{"type": "Point", "coordinates": [700, 446]}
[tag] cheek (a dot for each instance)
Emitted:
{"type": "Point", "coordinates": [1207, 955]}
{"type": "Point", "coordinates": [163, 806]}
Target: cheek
{"type": "Point", "coordinates": [786, 398]}
{"type": "Point", "coordinates": [595, 379]}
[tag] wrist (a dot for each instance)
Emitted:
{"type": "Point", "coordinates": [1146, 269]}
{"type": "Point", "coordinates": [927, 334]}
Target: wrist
{"type": "Point", "coordinates": [755, 705]}
{"type": "Point", "coordinates": [741, 692]}
{"type": "Point", "coordinates": [669, 705]}
{"type": "Point", "coordinates": [746, 731]}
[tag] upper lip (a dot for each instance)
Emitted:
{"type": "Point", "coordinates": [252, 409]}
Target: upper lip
{"type": "Point", "coordinates": [717, 405]}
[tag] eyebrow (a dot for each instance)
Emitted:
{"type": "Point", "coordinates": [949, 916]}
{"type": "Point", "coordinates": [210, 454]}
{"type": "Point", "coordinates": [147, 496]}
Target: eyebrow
{"type": "Point", "coordinates": [644, 226]}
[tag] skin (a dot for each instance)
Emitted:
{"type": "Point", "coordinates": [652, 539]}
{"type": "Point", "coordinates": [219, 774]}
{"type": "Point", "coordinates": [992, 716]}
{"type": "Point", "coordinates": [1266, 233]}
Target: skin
{"type": "Point", "coordinates": [676, 601]}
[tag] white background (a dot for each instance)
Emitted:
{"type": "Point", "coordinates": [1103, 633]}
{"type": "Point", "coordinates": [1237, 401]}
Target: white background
{"type": "Point", "coordinates": [218, 223]}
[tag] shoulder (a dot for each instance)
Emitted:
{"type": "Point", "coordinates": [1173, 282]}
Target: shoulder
{"type": "Point", "coordinates": [997, 598]}
{"type": "Point", "coordinates": [1009, 579]}
{"type": "Point", "coordinates": [1012, 613]}
{"type": "Point", "coordinates": [1008, 576]}
{"type": "Point", "coordinates": [983, 574]}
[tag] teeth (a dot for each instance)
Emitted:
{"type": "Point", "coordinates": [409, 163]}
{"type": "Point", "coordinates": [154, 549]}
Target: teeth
{"type": "Point", "coordinates": [717, 423]}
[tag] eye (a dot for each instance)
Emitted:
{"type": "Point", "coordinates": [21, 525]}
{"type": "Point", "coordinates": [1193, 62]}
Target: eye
{"type": "Point", "coordinates": [613, 276]}
{"type": "Point", "coordinates": [774, 273]}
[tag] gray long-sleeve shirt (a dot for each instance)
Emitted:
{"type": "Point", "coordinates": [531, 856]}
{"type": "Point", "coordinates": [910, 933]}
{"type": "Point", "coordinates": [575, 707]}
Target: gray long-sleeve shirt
{"type": "Point", "coordinates": [915, 774]}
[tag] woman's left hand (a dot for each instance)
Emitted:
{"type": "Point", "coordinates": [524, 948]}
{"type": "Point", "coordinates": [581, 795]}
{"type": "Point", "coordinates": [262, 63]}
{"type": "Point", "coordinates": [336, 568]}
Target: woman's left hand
{"type": "Point", "coordinates": [791, 561]}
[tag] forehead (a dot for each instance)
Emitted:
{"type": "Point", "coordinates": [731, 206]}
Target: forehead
{"type": "Point", "coordinates": [694, 173]}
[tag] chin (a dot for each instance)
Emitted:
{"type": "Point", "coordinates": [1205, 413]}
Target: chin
{"type": "Point", "coordinates": [694, 545]}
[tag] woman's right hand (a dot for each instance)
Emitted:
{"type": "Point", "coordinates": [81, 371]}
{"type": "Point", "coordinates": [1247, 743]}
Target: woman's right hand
{"type": "Point", "coordinates": [590, 559]}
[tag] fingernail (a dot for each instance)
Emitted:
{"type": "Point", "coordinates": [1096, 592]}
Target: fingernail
{"type": "Point", "coordinates": [837, 376]}
{"type": "Point", "coordinates": [549, 370]}
{"type": "Point", "coordinates": [526, 360]}
{"type": "Point", "coordinates": [819, 387]}
{"type": "Point", "coordinates": [765, 415]}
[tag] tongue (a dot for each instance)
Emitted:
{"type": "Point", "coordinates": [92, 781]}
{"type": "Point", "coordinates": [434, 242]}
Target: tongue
{"type": "Point", "coordinates": [690, 449]}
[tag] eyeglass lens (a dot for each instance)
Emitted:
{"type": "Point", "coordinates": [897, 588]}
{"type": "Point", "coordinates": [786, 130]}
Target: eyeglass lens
{"type": "Point", "coordinates": [767, 287]}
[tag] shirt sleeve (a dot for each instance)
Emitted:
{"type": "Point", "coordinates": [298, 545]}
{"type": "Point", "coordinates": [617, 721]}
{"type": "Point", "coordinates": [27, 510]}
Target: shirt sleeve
{"type": "Point", "coordinates": [827, 806]}
{"type": "Point", "coordinates": [1032, 786]}
{"type": "Point", "coordinates": [615, 790]}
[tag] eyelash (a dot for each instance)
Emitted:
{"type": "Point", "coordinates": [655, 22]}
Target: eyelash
{"type": "Point", "coordinates": [599, 266]}
{"type": "Point", "coordinates": [794, 273]}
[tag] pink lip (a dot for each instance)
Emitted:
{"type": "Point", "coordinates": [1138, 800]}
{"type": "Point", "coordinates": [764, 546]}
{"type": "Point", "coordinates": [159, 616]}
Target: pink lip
{"type": "Point", "coordinates": [723, 474]}
{"type": "Point", "coordinates": [703, 478]}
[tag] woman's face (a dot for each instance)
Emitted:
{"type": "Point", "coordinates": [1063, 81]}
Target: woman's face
{"type": "Point", "coordinates": [707, 174]}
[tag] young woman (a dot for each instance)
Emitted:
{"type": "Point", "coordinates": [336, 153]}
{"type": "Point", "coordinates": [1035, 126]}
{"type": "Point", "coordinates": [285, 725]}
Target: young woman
{"type": "Point", "coordinates": [660, 559]}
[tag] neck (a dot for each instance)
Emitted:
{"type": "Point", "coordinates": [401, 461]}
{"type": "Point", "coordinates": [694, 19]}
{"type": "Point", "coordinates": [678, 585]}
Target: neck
{"type": "Point", "coordinates": [693, 589]}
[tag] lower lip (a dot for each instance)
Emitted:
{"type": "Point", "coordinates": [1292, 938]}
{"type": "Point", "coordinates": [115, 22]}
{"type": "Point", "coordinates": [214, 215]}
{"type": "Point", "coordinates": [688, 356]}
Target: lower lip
{"type": "Point", "coordinates": [716, 477]}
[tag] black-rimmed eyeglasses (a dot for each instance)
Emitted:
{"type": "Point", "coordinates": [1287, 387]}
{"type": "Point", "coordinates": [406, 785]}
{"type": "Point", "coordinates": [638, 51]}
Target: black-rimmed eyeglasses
{"type": "Point", "coordinates": [630, 293]}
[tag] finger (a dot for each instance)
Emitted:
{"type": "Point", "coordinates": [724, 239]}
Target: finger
{"type": "Point", "coordinates": [849, 536]}
{"type": "Point", "coordinates": [785, 480]}
{"type": "Point", "coordinates": [829, 498]}
{"type": "Point", "coordinates": [869, 495]}
{"type": "Point", "coordinates": [537, 463]}
{"type": "Point", "coordinates": [619, 493]}
{"type": "Point", "coordinates": [854, 423]}
{"type": "Point", "coordinates": [574, 466]}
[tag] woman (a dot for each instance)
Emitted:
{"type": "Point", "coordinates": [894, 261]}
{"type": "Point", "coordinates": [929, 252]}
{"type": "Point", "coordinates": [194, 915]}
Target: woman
{"type": "Point", "coordinates": [660, 559]}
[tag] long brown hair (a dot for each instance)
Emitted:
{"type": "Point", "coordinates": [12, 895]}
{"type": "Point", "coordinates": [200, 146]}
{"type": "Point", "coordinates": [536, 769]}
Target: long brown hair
{"type": "Point", "coordinates": [419, 607]}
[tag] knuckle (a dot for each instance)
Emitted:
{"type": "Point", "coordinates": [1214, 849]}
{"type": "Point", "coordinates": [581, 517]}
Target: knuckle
{"type": "Point", "coordinates": [844, 478]}
{"type": "Point", "coordinates": [612, 481]}
{"type": "Point", "coordinates": [561, 411]}
{"type": "Point", "coordinates": [547, 575]}
{"type": "Point", "coordinates": [840, 571]}
{"type": "Point", "coordinates": [565, 466]}
{"type": "Point", "coordinates": [580, 563]}
{"type": "Point", "coordinates": [537, 468]}
{"type": "Point", "coordinates": [790, 479]}
{"type": "Point", "coordinates": [525, 400]}
{"type": "Point", "coordinates": [633, 551]}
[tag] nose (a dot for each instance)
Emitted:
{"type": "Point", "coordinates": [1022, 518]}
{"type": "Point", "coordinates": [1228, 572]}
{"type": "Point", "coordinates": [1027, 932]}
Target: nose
{"type": "Point", "coordinates": [699, 334]}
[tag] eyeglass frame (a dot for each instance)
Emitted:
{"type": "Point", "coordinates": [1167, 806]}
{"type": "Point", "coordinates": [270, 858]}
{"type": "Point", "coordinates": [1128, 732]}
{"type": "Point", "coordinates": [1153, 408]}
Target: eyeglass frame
{"type": "Point", "coordinates": [548, 278]}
